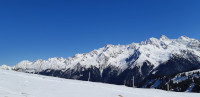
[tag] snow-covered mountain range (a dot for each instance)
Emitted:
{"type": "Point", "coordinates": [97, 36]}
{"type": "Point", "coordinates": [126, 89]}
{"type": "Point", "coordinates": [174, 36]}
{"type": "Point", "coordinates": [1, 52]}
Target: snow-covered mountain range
{"type": "Point", "coordinates": [117, 64]}
{"type": "Point", "coordinates": [155, 51]}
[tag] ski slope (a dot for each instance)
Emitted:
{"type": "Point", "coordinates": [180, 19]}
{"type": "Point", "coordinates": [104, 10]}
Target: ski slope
{"type": "Point", "coordinates": [17, 84]}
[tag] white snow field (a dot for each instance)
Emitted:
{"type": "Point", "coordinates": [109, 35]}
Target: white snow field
{"type": "Point", "coordinates": [17, 84]}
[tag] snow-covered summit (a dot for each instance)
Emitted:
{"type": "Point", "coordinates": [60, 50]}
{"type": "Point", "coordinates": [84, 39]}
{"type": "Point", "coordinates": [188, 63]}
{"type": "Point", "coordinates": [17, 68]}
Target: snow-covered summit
{"type": "Point", "coordinates": [5, 67]}
{"type": "Point", "coordinates": [163, 37]}
{"type": "Point", "coordinates": [156, 51]}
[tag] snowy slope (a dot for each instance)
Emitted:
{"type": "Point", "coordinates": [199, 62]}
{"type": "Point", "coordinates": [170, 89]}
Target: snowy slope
{"type": "Point", "coordinates": [16, 84]}
{"type": "Point", "coordinates": [182, 82]}
{"type": "Point", "coordinates": [155, 51]}
{"type": "Point", "coordinates": [178, 78]}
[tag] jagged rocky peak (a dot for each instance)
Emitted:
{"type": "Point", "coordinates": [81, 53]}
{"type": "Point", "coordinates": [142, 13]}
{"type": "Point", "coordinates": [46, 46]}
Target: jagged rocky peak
{"type": "Point", "coordinates": [106, 47]}
{"type": "Point", "coordinates": [163, 37]}
{"type": "Point", "coordinates": [152, 41]}
{"type": "Point", "coordinates": [189, 42]}
{"type": "Point", "coordinates": [184, 37]}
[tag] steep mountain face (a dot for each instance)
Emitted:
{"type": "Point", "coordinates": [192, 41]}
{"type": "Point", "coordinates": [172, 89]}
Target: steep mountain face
{"type": "Point", "coordinates": [182, 82]}
{"type": "Point", "coordinates": [117, 64]}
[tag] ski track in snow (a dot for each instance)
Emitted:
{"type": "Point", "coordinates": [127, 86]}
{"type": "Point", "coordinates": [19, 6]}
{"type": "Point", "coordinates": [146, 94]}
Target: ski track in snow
{"type": "Point", "coordinates": [16, 84]}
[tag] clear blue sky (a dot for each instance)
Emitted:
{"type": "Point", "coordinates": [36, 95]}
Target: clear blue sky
{"type": "Point", "coordinates": [40, 29]}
